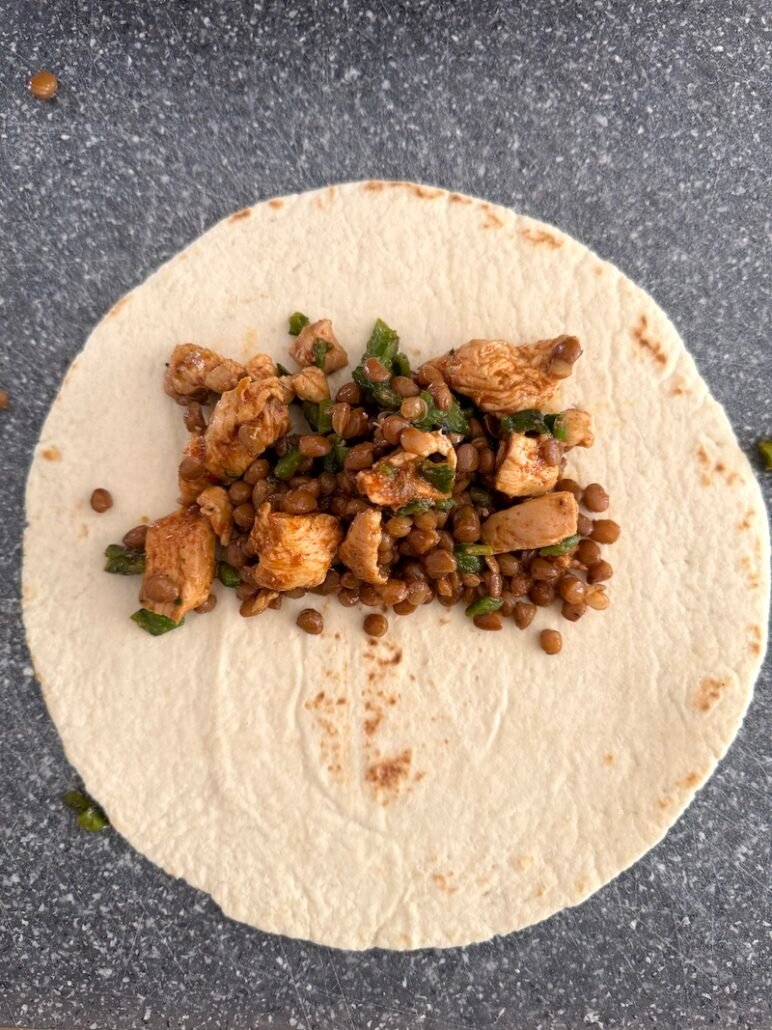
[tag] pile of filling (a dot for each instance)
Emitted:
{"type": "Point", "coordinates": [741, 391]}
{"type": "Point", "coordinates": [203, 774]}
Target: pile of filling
{"type": "Point", "coordinates": [442, 483]}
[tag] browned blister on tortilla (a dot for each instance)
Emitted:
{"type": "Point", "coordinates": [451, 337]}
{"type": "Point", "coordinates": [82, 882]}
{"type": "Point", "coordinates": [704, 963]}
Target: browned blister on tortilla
{"type": "Point", "coordinates": [181, 547]}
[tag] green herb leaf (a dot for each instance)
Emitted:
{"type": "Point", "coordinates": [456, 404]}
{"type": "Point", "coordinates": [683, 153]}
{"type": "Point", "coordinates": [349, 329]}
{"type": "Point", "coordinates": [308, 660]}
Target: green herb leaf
{"type": "Point", "coordinates": [297, 322]}
{"type": "Point", "coordinates": [153, 623]}
{"type": "Point", "coordinates": [401, 364]}
{"type": "Point", "coordinates": [556, 550]}
{"type": "Point", "coordinates": [483, 549]}
{"type": "Point", "coordinates": [281, 370]}
{"type": "Point", "coordinates": [439, 474]}
{"type": "Point", "coordinates": [529, 421]}
{"type": "Point", "coordinates": [287, 466]}
{"type": "Point", "coordinates": [468, 563]}
{"type": "Point", "coordinates": [556, 424]}
{"type": "Point", "coordinates": [228, 576]}
{"type": "Point", "coordinates": [483, 606]}
{"type": "Point", "coordinates": [318, 415]}
{"type": "Point", "coordinates": [124, 561]}
{"type": "Point", "coordinates": [335, 460]}
{"type": "Point", "coordinates": [93, 819]}
{"type": "Point", "coordinates": [320, 349]}
{"type": "Point", "coordinates": [388, 470]}
{"type": "Point", "coordinates": [451, 421]}
{"type": "Point", "coordinates": [481, 497]}
{"type": "Point", "coordinates": [379, 393]}
{"type": "Point", "coordinates": [76, 800]}
{"type": "Point", "coordinates": [415, 508]}
{"type": "Point", "coordinates": [383, 344]}
{"type": "Point", "coordinates": [765, 450]}
{"type": "Point", "coordinates": [445, 505]}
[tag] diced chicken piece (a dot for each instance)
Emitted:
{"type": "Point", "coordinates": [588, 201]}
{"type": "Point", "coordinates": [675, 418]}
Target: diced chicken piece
{"type": "Point", "coordinates": [502, 378]}
{"type": "Point", "coordinates": [302, 348]}
{"type": "Point", "coordinates": [521, 471]}
{"type": "Point", "coordinates": [192, 485]}
{"type": "Point", "coordinates": [540, 522]}
{"type": "Point", "coordinates": [216, 505]}
{"type": "Point", "coordinates": [578, 427]}
{"type": "Point", "coordinates": [359, 551]}
{"type": "Point", "coordinates": [192, 368]}
{"type": "Point", "coordinates": [245, 421]}
{"type": "Point", "coordinates": [396, 480]}
{"type": "Point", "coordinates": [310, 384]}
{"type": "Point", "coordinates": [257, 605]}
{"type": "Point", "coordinates": [294, 550]}
{"type": "Point", "coordinates": [181, 548]}
{"type": "Point", "coordinates": [261, 366]}
{"type": "Point", "coordinates": [421, 443]}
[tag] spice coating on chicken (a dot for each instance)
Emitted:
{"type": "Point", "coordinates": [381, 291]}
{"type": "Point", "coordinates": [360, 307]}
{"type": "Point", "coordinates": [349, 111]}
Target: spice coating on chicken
{"type": "Point", "coordinates": [294, 550]}
{"type": "Point", "coordinates": [192, 369]}
{"type": "Point", "coordinates": [540, 522]}
{"type": "Point", "coordinates": [216, 505]}
{"type": "Point", "coordinates": [181, 547]}
{"type": "Point", "coordinates": [359, 551]}
{"type": "Point", "coordinates": [245, 421]}
{"type": "Point", "coordinates": [521, 470]}
{"type": "Point", "coordinates": [303, 351]}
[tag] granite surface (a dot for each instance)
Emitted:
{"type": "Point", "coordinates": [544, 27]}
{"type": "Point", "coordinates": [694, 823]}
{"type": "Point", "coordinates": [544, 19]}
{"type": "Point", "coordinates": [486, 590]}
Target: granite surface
{"type": "Point", "coordinates": [642, 128]}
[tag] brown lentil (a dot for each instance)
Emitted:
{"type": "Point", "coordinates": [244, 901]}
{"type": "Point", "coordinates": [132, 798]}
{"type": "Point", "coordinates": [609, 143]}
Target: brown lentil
{"type": "Point", "coordinates": [399, 526]}
{"type": "Point", "coordinates": [605, 531]}
{"type": "Point", "coordinates": [262, 489]}
{"type": "Point", "coordinates": [160, 588]}
{"type": "Point", "coordinates": [520, 584]}
{"type": "Point", "coordinates": [542, 593]}
{"type": "Point", "coordinates": [404, 386]}
{"type": "Point", "coordinates": [440, 563]}
{"type": "Point", "coordinates": [43, 85]}
{"type": "Point", "coordinates": [297, 502]}
{"type": "Point", "coordinates": [490, 621]}
{"type": "Point", "coordinates": [446, 542]}
{"type": "Point", "coordinates": [191, 468]}
{"type": "Point", "coordinates": [418, 591]}
{"type": "Point", "coordinates": [440, 394]}
{"type": "Point", "coordinates": [376, 371]}
{"type": "Point", "coordinates": [413, 409]}
{"type": "Point", "coordinates": [571, 589]}
{"type": "Point", "coordinates": [599, 571]}
{"type": "Point", "coordinates": [571, 486]}
{"type": "Point", "coordinates": [339, 416]}
{"type": "Point", "coordinates": [523, 614]}
{"type": "Point", "coordinates": [208, 605]}
{"type": "Point", "coordinates": [101, 500]}
{"type": "Point", "coordinates": [595, 497]}
{"type": "Point", "coordinates": [194, 418]}
{"type": "Point", "coordinates": [135, 538]}
{"type": "Point", "coordinates": [244, 515]}
{"type": "Point", "coordinates": [597, 598]}
{"type": "Point", "coordinates": [403, 608]}
{"type": "Point", "coordinates": [584, 525]}
{"type": "Point", "coordinates": [349, 393]}
{"type": "Point", "coordinates": [328, 484]}
{"type": "Point", "coordinates": [573, 612]}
{"type": "Point", "coordinates": [508, 564]}
{"type": "Point", "coordinates": [234, 555]}
{"type": "Point", "coordinates": [466, 525]}
{"type": "Point", "coordinates": [493, 583]}
{"type": "Point", "coordinates": [425, 520]}
{"type": "Point", "coordinates": [551, 641]}
{"type": "Point", "coordinates": [311, 621]}
{"type": "Point", "coordinates": [330, 584]}
{"type": "Point", "coordinates": [393, 591]}
{"type": "Point", "coordinates": [358, 424]}
{"type": "Point", "coordinates": [376, 625]}
{"type": "Point", "coordinates": [312, 445]}
{"type": "Point", "coordinates": [359, 457]}
{"type": "Point", "coordinates": [348, 598]}
{"type": "Point", "coordinates": [587, 552]}
{"type": "Point", "coordinates": [239, 492]}
{"type": "Point", "coordinates": [259, 469]}
{"type": "Point", "coordinates": [542, 569]}
{"type": "Point", "coordinates": [392, 428]}
{"type": "Point", "coordinates": [551, 452]}
{"type": "Point", "coordinates": [487, 461]}
{"type": "Point", "coordinates": [507, 603]}
{"type": "Point", "coordinates": [467, 459]}
{"type": "Point", "coordinates": [421, 541]}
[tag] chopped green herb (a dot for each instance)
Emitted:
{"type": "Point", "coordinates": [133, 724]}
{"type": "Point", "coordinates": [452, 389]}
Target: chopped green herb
{"type": "Point", "coordinates": [468, 563]}
{"type": "Point", "coordinates": [387, 469]}
{"type": "Point", "coordinates": [557, 425]}
{"type": "Point", "coordinates": [379, 393]}
{"type": "Point", "coordinates": [765, 450]}
{"type": "Point", "coordinates": [153, 623]}
{"type": "Point", "coordinates": [483, 549]}
{"type": "Point", "coordinates": [320, 349]}
{"type": "Point", "coordinates": [415, 508]}
{"type": "Point", "coordinates": [318, 415]}
{"type": "Point", "coordinates": [228, 576]}
{"type": "Point", "coordinates": [451, 421]}
{"type": "Point", "coordinates": [445, 505]}
{"type": "Point", "coordinates": [287, 466]}
{"type": "Point", "coordinates": [401, 364]}
{"type": "Point", "coordinates": [297, 322]}
{"type": "Point", "coordinates": [529, 421]}
{"type": "Point", "coordinates": [556, 550]}
{"type": "Point", "coordinates": [124, 561]}
{"type": "Point", "coordinates": [281, 370]}
{"type": "Point", "coordinates": [91, 816]}
{"type": "Point", "coordinates": [481, 497]}
{"type": "Point", "coordinates": [335, 460]}
{"type": "Point", "coordinates": [383, 344]}
{"type": "Point", "coordinates": [439, 474]}
{"type": "Point", "coordinates": [483, 606]}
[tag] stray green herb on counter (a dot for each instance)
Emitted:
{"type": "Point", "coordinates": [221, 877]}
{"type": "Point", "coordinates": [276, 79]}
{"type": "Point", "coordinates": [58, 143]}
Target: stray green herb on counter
{"type": "Point", "coordinates": [91, 816]}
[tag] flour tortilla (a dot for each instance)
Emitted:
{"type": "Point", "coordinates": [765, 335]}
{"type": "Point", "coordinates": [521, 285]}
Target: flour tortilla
{"type": "Point", "coordinates": [442, 785]}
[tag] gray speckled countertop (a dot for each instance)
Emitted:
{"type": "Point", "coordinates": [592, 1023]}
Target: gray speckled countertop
{"type": "Point", "coordinates": [642, 128]}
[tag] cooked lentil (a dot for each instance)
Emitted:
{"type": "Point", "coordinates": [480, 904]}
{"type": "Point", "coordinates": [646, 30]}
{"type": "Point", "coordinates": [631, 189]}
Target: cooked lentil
{"type": "Point", "coordinates": [101, 500]}
{"type": "Point", "coordinates": [551, 641]}
{"type": "Point", "coordinates": [376, 625]}
{"type": "Point", "coordinates": [311, 621]}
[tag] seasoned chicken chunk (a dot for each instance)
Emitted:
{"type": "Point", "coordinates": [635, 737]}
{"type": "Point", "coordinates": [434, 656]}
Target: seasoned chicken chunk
{"type": "Point", "coordinates": [540, 522]}
{"type": "Point", "coordinates": [245, 421]}
{"type": "Point", "coordinates": [578, 428]}
{"type": "Point", "coordinates": [521, 471]}
{"type": "Point", "coordinates": [179, 554]}
{"type": "Point", "coordinates": [192, 368]}
{"type": "Point", "coordinates": [294, 550]}
{"type": "Point", "coordinates": [310, 384]}
{"type": "Point", "coordinates": [261, 366]}
{"type": "Point", "coordinates": [303, 351]}
{"type": "Point", "coordinates": [396, 480]}
{"type": "Point", "coordinates": [502, 378]}
{"type": "Point", "coordinates": [359, 551]}
{"type": "Point", "coordinates": [193, 477]}
{"type": "Point", "coordinates": [216, 505]}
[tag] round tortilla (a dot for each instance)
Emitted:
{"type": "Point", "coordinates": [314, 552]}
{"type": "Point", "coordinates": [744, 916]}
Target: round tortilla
{"type": "Point", "coordinates": [439, 785]}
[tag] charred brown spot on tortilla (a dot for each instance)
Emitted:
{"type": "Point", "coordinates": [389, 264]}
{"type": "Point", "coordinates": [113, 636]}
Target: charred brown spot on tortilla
{"type": "Point", "coordinates": [83, 530]}
{"type": "Point", "coordinates": [679, 389]}
{"type": "Point", "coordinates": [663, 804]}
{"type": "Point", "coordinates": [492, 220]}
{"type": "Point", "coordinates": [690, 780]}
{"type": "Point", "coordinates": [705, 465]}
{"type": "Point", "coordinates": [541, 237]}
{"type": "Point", "coordinates": [608, 759]}
{"type": "Point", "coordinates": [444, 882]}
{"type": "Point", "coordinates": [276, 203]}
{"type": "Point", "coordinates": [581, 886]}
{"type": "Point", "coordinates": [388, 776]}
{"type": "Point", "coordinates": [459, 198]}
{"type": "Point", "coordinates": [642, 336]}
{"type": "Point", "coordinates": [51, 453]}
{"type": "Point", "coordinates": [118, 306]}
{"type": "Point", "coordinates": [540, 891]}
{"type": "Point", "coordinates": [237, 216]}
{"type": "Point", "coordinates": [597, 270]}
{"type": "Point", "coordinates": [709, 692]}
{"type": "Point", "coordinates": [751, 571]}
{"type": "Point", "coordinates": [375, 185]}
{"type": "Point", "coordinates": [747, 520]}
{"type": "Point", "coordinates": [756, 634]}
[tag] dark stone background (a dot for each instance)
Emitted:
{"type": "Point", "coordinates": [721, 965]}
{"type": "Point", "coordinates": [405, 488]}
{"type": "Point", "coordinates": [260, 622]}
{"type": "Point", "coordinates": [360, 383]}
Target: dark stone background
{"type": "Point", "coordinates": [641, 128]}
